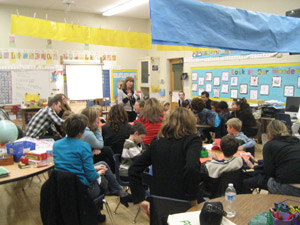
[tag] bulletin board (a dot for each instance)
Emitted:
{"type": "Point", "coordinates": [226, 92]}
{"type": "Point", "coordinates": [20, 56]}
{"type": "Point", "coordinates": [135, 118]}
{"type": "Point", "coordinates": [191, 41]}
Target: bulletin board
{"type": "Point", "coordinates": [263, 82]}
{"type": "Point", "coordinates": [117, 78]}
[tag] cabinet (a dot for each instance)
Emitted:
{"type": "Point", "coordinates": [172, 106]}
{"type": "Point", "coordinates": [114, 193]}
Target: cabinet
{"type": "Point", "coordinates": [149, 77]}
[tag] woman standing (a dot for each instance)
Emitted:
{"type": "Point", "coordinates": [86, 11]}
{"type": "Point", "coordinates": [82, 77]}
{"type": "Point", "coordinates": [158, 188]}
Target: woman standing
{"type": "Point", "coordinates": [127, 97]}
{"type": "Point", "coordinates": [175, 161]}
{"type": "Point", "coordinates": [281, 155]}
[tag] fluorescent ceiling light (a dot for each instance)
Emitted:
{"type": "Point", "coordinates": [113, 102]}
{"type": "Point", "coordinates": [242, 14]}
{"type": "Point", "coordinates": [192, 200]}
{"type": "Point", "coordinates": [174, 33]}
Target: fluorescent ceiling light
{"type": "Point", "coordinates": [123, 7]}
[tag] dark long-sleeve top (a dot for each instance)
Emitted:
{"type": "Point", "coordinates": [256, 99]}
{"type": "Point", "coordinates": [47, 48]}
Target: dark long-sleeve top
{"type": "Point", "coordinates": [248, 121]}
{"type": "Point", "coordinates": [281, 157]}
{"type": "Point", "coordinates": [115, 139]}
{"type": "Point", "coordinates": [176, 169]}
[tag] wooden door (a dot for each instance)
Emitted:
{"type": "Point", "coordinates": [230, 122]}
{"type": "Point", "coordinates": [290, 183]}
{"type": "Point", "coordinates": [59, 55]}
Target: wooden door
{"type": "Point", "coordinates": [176, 66]}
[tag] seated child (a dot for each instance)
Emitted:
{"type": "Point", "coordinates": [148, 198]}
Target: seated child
{"type": "Point", "coordinates": [234, 127]}
{"type": "Point", "coordinates": [131, 149]}
{"type": "Point", "coordinates": [186, 104]}
{"type": "Point", "coordinates": [206, 117]}
{"type": "Point", "coordinates": [224, 113]}
{"type": "Point", "coordinates": [138, 108]}
{"type": "Point", "coordinates": [214, 105]}
{"type": "Point", "coordinates": [166, 106]}
{"type": "Point", "coordinates": [212, 170]}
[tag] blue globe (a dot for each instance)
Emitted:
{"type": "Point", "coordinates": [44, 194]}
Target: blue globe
{"type": "Point", "coordinates": [8, 131]}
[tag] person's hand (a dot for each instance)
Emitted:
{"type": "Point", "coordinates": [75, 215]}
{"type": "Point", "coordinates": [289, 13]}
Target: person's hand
{"type": "Point", "coordinates": [101, 172]}
{"type": "Point", "coordinates": [145, 207]}
{"type": "Point", "coordinates": [101, 167]}
{"type": "Point", "coordinates": [129, 95]}
{"type": "Point", "coordinates": [96, 151]}
{"type": "Point", "coordinates": [241, 148]}
{"type": "Point", "coordinates": [214, 156]}
{"type": "Point", "coordinates": [253, 159]}
{"type": "Point", "coordinates": [138, 95]}
{"type": "Point", "coordinates": [58, 135]}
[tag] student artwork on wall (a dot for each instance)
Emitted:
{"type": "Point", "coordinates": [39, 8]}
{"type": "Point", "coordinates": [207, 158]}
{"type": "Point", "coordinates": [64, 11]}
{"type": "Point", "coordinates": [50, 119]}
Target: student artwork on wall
{"type": "Point", "coordinates": [254, 81]}
{"type": "Point", "coordinates": [217, 81]}
{"type": "Point", "coordinates": [194, 76]}
{"type": "Point", "coordinates": [253, 94]}
{"type": "Point", "coordinates": [208, 87]}
{"type": "Point", "coordinates": [244, 89]}
{"type": "Point", "coordinates": [208, 76]}
{"type": "Point", "coordinates": [234, 81]}
{"type": "Point", "coordinates": [225, 88]}
{"type": "Point", "coordinates": [5, 87]}
{"type": "Point", "coordinates": [264, 89]}
{"type": "Point", "coordinates": [288, 90]}
{"type": "Point", "coordinates": [201, 81]}
{"type": "Point", "coordinates": [200, 90]}
{"type": "Point", "coordinates": [225, 76]}
{"type": "Point", "coordinates": [233, 93]}
{"type": "Point", "coordinates": [216, 93]}
{"type": "Point", "coordinates": [276, 82]}
{"type": "Point", "coordinates": [194, 88]}
{"type": "Point", "coordinates": [267, 81]}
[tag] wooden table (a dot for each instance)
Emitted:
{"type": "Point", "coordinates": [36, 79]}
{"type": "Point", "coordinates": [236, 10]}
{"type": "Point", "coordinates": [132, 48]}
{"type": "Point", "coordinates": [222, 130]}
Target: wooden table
{"type": "Point", "coordinates": [18, 174]}
{"type": "Point", "coordinates": [25, 113]}
{"type": "Point", "coordinates": [249, 205]}
{"type": "Point", "coordinates": [203, 126]}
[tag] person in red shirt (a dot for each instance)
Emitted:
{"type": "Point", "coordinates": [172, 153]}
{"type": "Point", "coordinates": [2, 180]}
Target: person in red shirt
{"type": "Point", "coordinates": [151, 118]}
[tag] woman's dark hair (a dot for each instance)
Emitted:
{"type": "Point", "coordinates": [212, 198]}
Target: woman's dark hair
{"type": "Point", "coordinates": [60, 98]}
{"type": "Point", "coordinates": [117, 117]}
{"type": "Point", "coordinates": [75, 124]}
{"type": "Point", "coordinates": [243, 104]}
{"type": "Point", "coordinates": [222, 105]}
{"type": "Point", "coordinates": [197, 104]}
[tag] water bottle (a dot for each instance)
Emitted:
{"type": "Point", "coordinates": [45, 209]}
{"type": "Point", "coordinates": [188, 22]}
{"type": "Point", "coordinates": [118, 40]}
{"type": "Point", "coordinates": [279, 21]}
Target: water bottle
{"type": "Point", "coordinates": [230, 194]}
{"type": "Point", "coordinates": [49, 157]}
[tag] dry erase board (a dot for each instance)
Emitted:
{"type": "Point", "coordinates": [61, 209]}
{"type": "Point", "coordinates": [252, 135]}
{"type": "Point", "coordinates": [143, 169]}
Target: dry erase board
{"type": "Point", "coordinates": [264, 82]}
{"type": "Point", "coordinates": [43, 82]}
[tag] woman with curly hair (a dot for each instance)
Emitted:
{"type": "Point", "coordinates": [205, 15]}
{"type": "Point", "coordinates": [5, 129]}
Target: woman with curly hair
{"type": "Point", "coordinates": [175, 161]}
{"type": "Point", "coordinates": [127, 98]}
{"type": "Point", "coordinates": [116, 130]}
{"type": "Point", "coordinates": [151, 118]}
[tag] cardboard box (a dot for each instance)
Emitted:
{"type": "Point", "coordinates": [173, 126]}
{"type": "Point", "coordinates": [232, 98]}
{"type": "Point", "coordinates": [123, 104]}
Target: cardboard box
{"type": "Point", "coordinates": [36, 155]}
{"type": "Point", "coordinates": [6, 160]}
{"type": "Point", "coordinates": [19, 148]}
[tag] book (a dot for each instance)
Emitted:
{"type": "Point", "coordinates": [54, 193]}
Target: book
{"type": "Point", "coordinates": [3, 172]}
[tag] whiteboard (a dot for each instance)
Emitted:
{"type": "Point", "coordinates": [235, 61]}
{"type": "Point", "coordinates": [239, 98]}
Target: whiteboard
{"type": "Point", "coordinates": [30, 81]}
{"type": "Point", "coordinates": [84, 82]}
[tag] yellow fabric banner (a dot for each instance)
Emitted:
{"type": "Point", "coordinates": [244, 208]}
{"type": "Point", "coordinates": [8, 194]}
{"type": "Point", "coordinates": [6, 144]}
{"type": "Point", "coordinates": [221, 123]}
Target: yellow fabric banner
{"type": "Point", "coordinates": [182, 48]}
{"type": "Point", "coordinates": [27, 26]}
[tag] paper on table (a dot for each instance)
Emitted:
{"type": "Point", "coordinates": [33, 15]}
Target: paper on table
{"type": "Point", "coordinates": [191, 218]}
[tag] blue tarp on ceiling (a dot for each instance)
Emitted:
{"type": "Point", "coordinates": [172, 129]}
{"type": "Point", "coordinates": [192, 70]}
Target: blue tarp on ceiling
{"type": "Point", "coordinates": [199, 24]}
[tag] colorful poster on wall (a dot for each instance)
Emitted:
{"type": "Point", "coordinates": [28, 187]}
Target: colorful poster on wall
{"type": "Point", "coordinates": [262, 82]}
{"type": "Point", "coordinates": [5, 87]}
{"type": "Point", "coordinates": [117, 78]}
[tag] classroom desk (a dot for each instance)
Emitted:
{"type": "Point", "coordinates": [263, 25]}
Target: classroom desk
{"type": "Point", "coordinates": [28, 112]}
{"type": "Point", "coordinates": [19, 174]}
{"type": "Point", "coordinates": [203, 125]}
{"type": "Point", "coordinates": [249, 205]}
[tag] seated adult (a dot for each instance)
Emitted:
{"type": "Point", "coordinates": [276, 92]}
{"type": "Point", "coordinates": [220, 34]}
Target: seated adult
{"type": "Point", "coordinates": [75, 156]}
{"type": "Point", "coordinates": [281, 155]}
{"type": "Point", "coordinates": [206, 100]}
{"type": "Point", "coordinates": [244, 113]}
{"type": "Point", "coordinates": [43, 119]}
{"type": "Point", "coordinates": [181, 99]}
{"type": "Point", "coordinates": [175, 161]}
{"type": "Point", "coordinates": [116, 130]}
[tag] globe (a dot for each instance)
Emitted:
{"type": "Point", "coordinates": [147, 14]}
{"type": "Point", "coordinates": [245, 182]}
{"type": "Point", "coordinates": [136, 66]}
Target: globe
{"type": "Point", "coordinates": [8, 131]}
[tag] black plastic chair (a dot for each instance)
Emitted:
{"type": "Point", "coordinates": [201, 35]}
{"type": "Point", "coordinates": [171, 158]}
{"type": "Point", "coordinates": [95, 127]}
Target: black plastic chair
{"type": "Point", "coordinates": [286, 119]}
{"type": "Point", "coordinates": [162, 207]}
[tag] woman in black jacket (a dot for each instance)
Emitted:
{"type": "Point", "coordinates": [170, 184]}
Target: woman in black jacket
{"type": "Point", "coordinates": [281, 156]}
{"type": "Point", "coordinates": [175, 161]}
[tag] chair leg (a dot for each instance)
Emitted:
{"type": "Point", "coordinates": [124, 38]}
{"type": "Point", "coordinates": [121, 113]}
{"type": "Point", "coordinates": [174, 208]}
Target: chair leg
{"type": "Point", "coordinates": [108, 211]}
{"type": "Point", "coordinates": [115, 212]}
{"type": "Point", "coordinates": [137, 213]}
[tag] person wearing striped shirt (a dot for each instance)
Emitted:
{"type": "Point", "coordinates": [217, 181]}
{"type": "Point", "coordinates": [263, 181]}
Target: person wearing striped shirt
{"type": "Point", "coordinates": [131, 149]}
{"type": "Point", "coordinates": [44, 119]}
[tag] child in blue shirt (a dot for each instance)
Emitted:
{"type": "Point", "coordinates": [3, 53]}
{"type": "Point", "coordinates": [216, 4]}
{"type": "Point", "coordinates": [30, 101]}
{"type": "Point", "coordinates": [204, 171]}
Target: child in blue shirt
{"type": "Point", "coordinates": [234, 127]}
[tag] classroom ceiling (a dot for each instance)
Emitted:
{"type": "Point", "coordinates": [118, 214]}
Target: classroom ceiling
{"type": "Point", "coordinates": [88, 6]}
